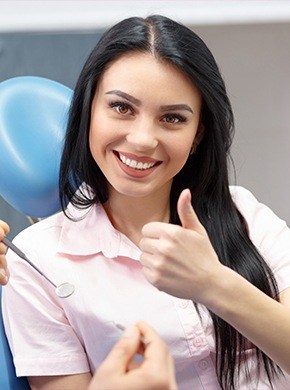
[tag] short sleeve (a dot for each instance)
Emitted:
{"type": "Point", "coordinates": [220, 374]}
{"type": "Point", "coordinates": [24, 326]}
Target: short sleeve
{"type": "Point", "coordinates": [269, 234]}
{"type": "Point", "coordinates": [40, 336]}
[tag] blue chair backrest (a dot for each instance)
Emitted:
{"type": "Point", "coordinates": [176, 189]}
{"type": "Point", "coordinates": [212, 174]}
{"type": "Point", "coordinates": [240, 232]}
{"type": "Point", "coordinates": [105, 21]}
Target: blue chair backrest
{"type": "Point", "coordinates": [33, 117]}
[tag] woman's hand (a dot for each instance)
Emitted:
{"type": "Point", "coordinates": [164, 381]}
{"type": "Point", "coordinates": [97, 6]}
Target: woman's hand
{"type": "Point", "coordinates": [155, 372]}
{"type": "Point", "coordinates": [4, 272]}
{"type": "Point", "coordinates": [180, 260]}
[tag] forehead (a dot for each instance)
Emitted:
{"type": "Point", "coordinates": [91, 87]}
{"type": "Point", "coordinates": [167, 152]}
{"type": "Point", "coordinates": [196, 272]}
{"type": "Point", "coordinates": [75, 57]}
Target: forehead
{"type": "Point", "coordinates": [137, 73]}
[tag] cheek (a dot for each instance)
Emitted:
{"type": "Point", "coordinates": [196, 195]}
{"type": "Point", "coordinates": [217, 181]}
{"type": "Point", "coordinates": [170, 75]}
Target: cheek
{"type": "Point", "coordinates": [179, 153]}
{"type": "Point", "coordinates": [180, 148]}
{"type": "Point", "coordinates": [95, 143]}
{"type": "Point", "coordinates": [105, 130]}
{"type": "Point", "coordinates": [98, 132]}
{"type": "Point", "coordinates": [180, 160]}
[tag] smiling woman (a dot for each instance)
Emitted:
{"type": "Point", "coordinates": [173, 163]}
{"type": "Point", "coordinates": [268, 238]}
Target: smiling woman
{"type": "Point", "coordinates": [141, 137]}
{"type": "Point", "coordinates": [151, 230]}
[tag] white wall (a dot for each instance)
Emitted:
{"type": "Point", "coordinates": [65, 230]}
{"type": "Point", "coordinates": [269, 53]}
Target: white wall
{"type": "Point", "coordinates": [255, 62]}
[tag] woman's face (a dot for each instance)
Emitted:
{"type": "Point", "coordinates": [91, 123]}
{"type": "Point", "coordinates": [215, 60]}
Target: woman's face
{"type": "Point", "coordinates": [144, 119]}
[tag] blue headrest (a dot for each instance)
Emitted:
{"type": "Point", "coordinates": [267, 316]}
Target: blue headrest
{"type": "Point", "coordinates": [33, 118]}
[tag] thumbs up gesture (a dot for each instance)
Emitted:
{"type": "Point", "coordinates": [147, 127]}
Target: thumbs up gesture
{"type": "Point", "coordinates": [180, 260]}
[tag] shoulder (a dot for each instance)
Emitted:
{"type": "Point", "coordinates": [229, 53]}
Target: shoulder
{"type": "Point", "coordinates": [41, 239]}
{"type": "Point", "coordinates": [264, 226]}
{"type": "Point", "coordinates": [251, 208]}
{"type": "Point", "coordinates": [269, 233]}
{"type": "Point", "coordinates": [256, 214]}
{"type": "Point", "coordinates": [242, 196]}
{"type": "Point", "coordinates": [50, 225]}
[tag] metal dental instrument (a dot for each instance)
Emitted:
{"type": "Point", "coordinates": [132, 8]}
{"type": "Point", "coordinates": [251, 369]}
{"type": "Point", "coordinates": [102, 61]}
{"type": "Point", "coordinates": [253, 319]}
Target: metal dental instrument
{"type": "Point", "coordinates": [64, 290]}
{"type": "Point", "coordinates": [144, 341]}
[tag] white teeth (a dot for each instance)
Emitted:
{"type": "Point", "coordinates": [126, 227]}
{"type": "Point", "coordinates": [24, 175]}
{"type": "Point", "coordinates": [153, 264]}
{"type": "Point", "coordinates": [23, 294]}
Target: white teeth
{"type": "Point", "coordinates": [135, 164]}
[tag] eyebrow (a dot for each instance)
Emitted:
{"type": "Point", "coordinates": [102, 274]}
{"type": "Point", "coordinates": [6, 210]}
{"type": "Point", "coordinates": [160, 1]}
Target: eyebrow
{"type": "Point", "coordinates": [125, 95]}
{"type": "Point", "coordinates": [137, 102]}
{"type": "Point", "coordinates": [173, 107]}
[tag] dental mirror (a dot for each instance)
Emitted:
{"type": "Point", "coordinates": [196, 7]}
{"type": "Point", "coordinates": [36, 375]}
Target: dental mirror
{"type": "Point", "coordinates": [64, 290]}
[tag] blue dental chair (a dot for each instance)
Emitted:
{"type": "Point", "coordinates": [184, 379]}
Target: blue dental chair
{"type": "Point", "coordinates": [33, 116]}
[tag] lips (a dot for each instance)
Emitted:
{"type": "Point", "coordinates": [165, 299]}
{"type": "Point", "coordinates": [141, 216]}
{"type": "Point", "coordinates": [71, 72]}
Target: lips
{"type": "Point", "coordinates": [136, 162]}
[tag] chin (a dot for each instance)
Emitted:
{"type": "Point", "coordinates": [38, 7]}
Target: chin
{"type": "Point", "coordinates": [134, 194]}
{"type": "Point", "coordinates": [132, 191]}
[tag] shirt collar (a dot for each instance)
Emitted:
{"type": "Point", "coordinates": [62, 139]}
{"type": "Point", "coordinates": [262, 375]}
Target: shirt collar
{"type": "Point", "coordinates": [92, 232]}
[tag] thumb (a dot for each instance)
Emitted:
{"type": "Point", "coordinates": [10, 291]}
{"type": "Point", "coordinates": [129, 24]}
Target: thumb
{"type": "Point", "coordinates": [186, 213]}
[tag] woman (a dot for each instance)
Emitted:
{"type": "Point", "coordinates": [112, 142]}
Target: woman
{"type": "Point", "coordinates": [144, 170]}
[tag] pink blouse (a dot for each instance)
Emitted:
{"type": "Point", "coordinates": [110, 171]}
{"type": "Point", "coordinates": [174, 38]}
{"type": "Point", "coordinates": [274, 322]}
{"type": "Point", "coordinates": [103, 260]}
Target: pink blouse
{"type": "Point", "coordinates": [53, 336]}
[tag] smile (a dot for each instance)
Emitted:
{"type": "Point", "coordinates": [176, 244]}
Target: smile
{"type": "Point", "coordinates": [136, 164]}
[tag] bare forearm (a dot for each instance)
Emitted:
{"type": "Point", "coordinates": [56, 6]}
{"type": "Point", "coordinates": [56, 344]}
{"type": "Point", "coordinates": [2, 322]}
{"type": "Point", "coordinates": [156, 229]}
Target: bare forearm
{"type": "Point", "coordinates": [264, 321]}
{"type": "Point", "coordinates": [65, 382]}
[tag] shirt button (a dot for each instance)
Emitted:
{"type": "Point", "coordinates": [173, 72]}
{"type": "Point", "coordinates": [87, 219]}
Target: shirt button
{"type": "Point", "coordinates": [198, 341]}
{"type": "Point", "coordinates": [203, 364]}
{"type": "Point", "coordinates": [183, 304]}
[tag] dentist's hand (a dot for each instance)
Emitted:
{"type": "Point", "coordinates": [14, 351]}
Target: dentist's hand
{"type": "Point", "coordinates": [4, 272]}
{"type": "Point", "coordinates": [180, 260]}
{"type": "Point", "coordinates": [117, 372]}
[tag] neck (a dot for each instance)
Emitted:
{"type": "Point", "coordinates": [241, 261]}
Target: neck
{"type": "Point", "coordinates": [130, 214]}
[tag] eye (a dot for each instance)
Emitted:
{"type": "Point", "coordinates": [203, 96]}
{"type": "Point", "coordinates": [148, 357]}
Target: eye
{"type": "Point", "coordinates": [121, 108]}
{"type": "Point", "coordinates": [173, 118]}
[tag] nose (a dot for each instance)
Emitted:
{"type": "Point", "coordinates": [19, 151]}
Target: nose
{"type": "Point", "coordinates": [142, 135]}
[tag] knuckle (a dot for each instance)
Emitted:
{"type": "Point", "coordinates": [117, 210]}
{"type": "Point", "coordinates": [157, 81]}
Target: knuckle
{"type": "Point", "coordinates": [142, 243]}
{"type": "Point", "coordinates": [160, 264]}
{"type": "Point", "coordinates": [143, 256]}
{"type": "Point", "coordinates": [3, 261]}
{"type": "Point", "coordinates": [166, 248]}
{"type": "Point", "coordinates": [156, 278]}
{"type": "Point", "coordinates": [174, 234]}
{"type": "Point", "coordinates": [3, 249]}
